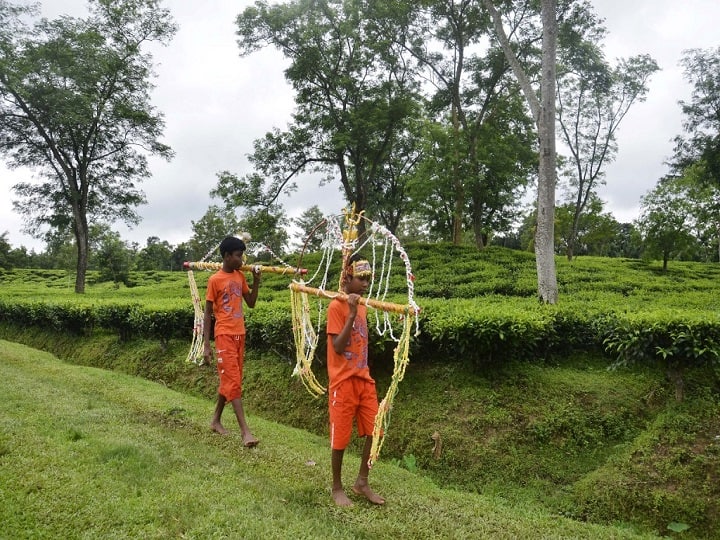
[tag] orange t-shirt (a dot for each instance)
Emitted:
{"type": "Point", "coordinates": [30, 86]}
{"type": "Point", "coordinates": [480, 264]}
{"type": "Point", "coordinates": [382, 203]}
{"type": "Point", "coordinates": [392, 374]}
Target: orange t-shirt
{"type": "Point", "coordinates": [225, 290]}
{"type": "Point", "coordinates": [353, 362]}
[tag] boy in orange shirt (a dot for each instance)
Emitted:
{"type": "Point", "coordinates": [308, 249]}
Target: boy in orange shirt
{"type": "Point", "coordinates": [351, 392]}
{"type": "Point", "coordinates": [226, 290]}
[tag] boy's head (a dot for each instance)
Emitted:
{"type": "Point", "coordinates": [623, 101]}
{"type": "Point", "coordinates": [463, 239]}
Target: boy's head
{"type": "Point", "coordinates": [230, 244]}
{"type": "Point", "coordinates": [359, 267]}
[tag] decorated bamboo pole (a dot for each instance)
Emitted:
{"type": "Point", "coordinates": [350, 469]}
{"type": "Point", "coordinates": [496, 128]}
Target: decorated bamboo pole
{"type": "Point", "coordinates": [376, 304]}
{"type": "Point", "coordinates": [245, 268]}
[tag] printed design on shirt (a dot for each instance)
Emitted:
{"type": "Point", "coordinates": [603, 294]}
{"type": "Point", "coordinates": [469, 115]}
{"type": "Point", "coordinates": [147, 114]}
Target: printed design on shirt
{"type": "Point", "coordinates": [231, 301]}
{"type": "Point", "coordinates": [358, 342]}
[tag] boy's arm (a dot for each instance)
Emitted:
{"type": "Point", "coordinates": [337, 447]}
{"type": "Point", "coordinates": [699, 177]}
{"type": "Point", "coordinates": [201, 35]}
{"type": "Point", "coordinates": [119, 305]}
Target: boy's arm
{"type": "Point", "coordinates": [207, 321]}
{"type": "Point", "coordinates": [251, 297]}
{"type": "Point", "coordinates": [340, 340]}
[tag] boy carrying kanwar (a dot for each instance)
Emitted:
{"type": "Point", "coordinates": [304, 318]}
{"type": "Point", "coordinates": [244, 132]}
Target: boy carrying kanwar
{"type": "Point", "coordinates": [351, 389]}
{"type": "Point", "coordinates": [226, 290]}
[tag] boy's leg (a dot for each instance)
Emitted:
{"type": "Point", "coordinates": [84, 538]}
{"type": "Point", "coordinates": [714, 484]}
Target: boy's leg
{"type": "Point", "coordinates": [230, 352]}
{"type": "Point", "coordinates": [249, 439]}
{"type": "Point", "coordinates": [366, 424]}
{"type": "Point", "coordinates": [222, 342]}
{"type": "Point", "coordinates": [215, 423]}
{"type": "Point", "coordinates": [338, 493]}
{"type": "Point", "coordinates": [361, 486]}
{"type": "Point", "coordinates": [341, 408]}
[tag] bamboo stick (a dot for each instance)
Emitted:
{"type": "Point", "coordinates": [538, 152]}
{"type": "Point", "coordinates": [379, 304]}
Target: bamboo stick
{"type": "Point", "coordinates": [376, 304]}
{"type": "Point", "coordinates": [245, 268]}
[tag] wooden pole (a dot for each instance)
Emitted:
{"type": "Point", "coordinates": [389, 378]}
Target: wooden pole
{"type": "Point", "coordinates": [376, 304]}
{"type": "Point", "coordinates": [245, 268]}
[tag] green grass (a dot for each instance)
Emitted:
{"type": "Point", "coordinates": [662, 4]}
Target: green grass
{"type": "Point", "coordinates": [88, 453]}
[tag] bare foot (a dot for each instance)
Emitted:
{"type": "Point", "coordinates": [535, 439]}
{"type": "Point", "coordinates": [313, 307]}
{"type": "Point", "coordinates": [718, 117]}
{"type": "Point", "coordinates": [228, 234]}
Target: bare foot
{"type": "Point", "coordinates": [217, 427]}
{"type": "Point", "coordinates": [340, 498]}
{"type": "Point", "coordinates": [364, 491]}
{"type": "Point", "coordinates": [249, 441]}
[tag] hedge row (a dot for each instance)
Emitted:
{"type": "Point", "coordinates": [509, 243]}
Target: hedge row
{"type": "Point", "coordinates": [128, 320]}
{"type": "Point", "coordinates": [478, 331]}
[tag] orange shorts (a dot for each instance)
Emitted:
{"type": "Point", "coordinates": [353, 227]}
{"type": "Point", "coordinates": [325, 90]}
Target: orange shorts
{"type": "Point", "coordinates": [353, 398]}
{"type": "Point", "coordinates": [230, 351]}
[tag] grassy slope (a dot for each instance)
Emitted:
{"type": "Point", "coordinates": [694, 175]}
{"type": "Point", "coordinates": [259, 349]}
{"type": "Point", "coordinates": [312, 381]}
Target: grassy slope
{"type": "Point", "coordinates": [87, 453]}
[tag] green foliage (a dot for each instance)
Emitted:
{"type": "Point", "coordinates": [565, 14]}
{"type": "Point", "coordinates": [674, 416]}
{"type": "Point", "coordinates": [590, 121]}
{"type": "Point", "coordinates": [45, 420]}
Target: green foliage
{"type": "Point", "coordinates": [681, 339]}
{"type": "Point", "coordinates": [667, 475]}
{"type": "Point", "coordinates": [477, 330]}
{"type": "Point", "coordinates": [307, 223]}
{"type": "Point", "coordinates": [407, 462]}
{"type": "Point", "coordinates": [355, 100]}
{"type": "Point", "coordinates": [477, 307]}
{"type": "Point", "coordinates": [666, 221]}
{"type": "Point", "coordinates": [156, 255]}
{"type": "Point", "coordinates": [678, 527]}
{"type": "Point", "coordinates": [208, 231]}
{"type": "Point", "coordinates": [701, 123]}
{"type": "Point", "coordinates": [112, 258]}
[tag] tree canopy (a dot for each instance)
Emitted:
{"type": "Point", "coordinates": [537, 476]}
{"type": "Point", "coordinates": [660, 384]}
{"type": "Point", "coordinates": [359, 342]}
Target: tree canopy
{"type": "Point", "coordinates": [75, 107]}
{"type": "Point", "coordinates": [354, 98]}
{"type": "Point", "coordinates": [701, 124]}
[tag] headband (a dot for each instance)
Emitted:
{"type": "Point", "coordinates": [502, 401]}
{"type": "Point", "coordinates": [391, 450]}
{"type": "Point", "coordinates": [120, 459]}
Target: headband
{"type": "Point", "coordinates": [360, 268]}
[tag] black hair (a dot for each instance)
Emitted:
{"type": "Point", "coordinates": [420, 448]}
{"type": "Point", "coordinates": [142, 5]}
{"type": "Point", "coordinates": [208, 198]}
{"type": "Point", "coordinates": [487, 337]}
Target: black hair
{"type": "Point", "coordinates": [354, 258]}
{"type": "Point", "coordinates": [230, 244]}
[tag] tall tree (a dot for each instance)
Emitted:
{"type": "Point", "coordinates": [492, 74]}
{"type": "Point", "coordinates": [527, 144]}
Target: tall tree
{"type": "Point", "coordinates": [6, 262]}
{"type": "Point", "coordinates": [595, 233]}
{"type": "Point", "coordinates": [75, 106]}
{"type": "Point", "coordinates": [259, 215]}
{"type": "Point", "coordinates": [267, 228]}
{"type": "Point", "coordinates": [703, 197]}
{"type": "Point", "coordinates": [156, 255]}
{"type": "Point", "coordinates": [209, 230]}
{"type": "Point", "coordinates": [352, 92]}
{"type": "Point", "coordinates": [455, 26]}
{"type": "Point", "coordinates": [627, 242]}
{"type": "Point", "coordinates": [666, 220]}
{"type": "Point", "coordinates": [702, 115]}
{"type": "Point", "coordinates": [592, 100]}
{"type": "Point", "coordinates": [543, 112]}
{"type": "Point", "coordinates": [112, 257]}
{"type": "Point", "coordinates": [696, 160]}
{"type": "Point", "coordinates": [308, 223]}
{"type": "Point", "coordinates": [469, 87]}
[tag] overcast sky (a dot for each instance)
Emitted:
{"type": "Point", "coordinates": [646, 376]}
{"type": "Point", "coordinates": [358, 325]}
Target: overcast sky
{"type": "Point", "coordinates": [216, 104]}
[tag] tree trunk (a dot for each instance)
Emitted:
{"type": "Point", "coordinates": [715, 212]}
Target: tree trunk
{"type": "Point", "coordinates": [545, 233]}
{"type": "Point", "coordinates": [570, 250]}
{"type": "Point", "coordinates": [457, 184]}
{"type": "Point", "coordinates": [543, 112]}
{"type": "Point", "coordinates": [480, 238]}
{"type": "Point", "coordinates": [81, 239]}
{"type": "Point", "coordinates": [572, 238]}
